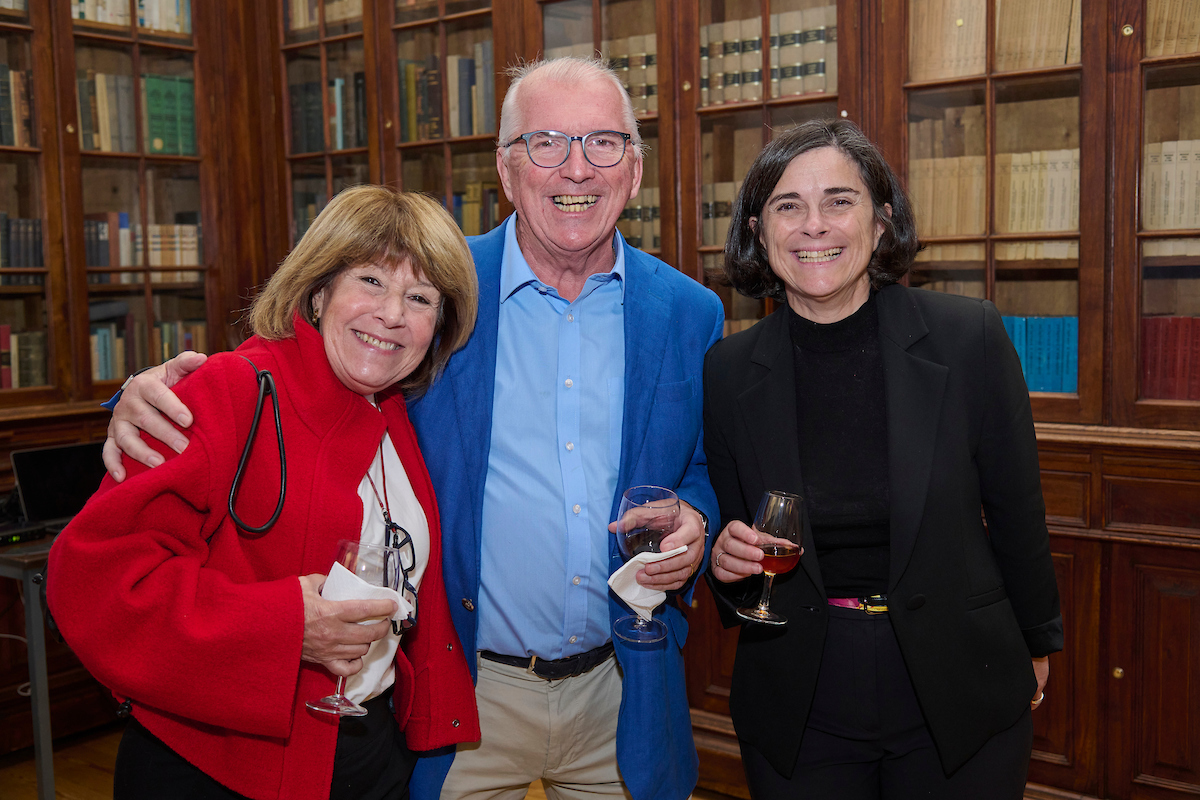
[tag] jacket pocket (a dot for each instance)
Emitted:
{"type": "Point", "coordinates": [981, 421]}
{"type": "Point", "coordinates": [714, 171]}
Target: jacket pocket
{"type": "Point", "coordinates": [987, 598]}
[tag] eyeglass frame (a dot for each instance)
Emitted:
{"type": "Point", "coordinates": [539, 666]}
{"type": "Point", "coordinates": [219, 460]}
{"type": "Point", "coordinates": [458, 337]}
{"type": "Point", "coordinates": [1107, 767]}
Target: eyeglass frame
{"type": "Point", "coordinates": [625, 139]}
{"type": "Point", "coordinates": [392, 537]}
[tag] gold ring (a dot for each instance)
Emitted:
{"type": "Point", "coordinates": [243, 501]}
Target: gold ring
{"type": "Point", "coordinates": [1037, 700]}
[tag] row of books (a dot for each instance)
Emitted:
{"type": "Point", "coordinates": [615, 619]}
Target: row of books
{"type": "Point", "coordinates": [958, 131]}
{"type": "Point", "coordinates": [635, 60]}
{"type": "Point", "coordinates": [12, 5]}
{"type": "Point", "coordinates": [1037, 191]}
{"type": "Point", "coordinates": [110, 242]}
{"type": "Point", "coordinates": [1164, 296]}
{"type": "Point", "coordinates": [305, 207]}
{"type": "Point", "coordinates": [303, 13]}
{"type": "Point", "coordinates": [476, 208]}
{"type": "Point", "coordinates": [640, 223]}
{"type": "Point", "coordinates": [801, 56]}
{"type": "Point", "coordinates": [1172, 27]}
{"type": "Point", "coordinates": [1049, 351]}
{"type": "Point", "coordinates": [20, 246]}
{"type": "Point", "coordinates": [1036, 33]}
{"type": "Point", "coordinates": [22, 358]}
{"type": "Point", "coordinates": [160, 15]}
{"type": "Point", "coordinates": [16, 107]}
{"type": "Point", "coordinates": [119, 348]}
{"type": "Point", "coordinates": [106, 113]}
{"type": "Point", "coordinates": [1171, 185]}
{"type": "Point", "coordinates": [470, 87]}
{"type": "Point", "coordinates": [947, 38]}
{"type": "Point", "coordinates": [716, 210]}
{"type": "Point", "coordinates": [420, 99]}
{"type": "Point", "coordinates": [949, 195]}
{"type": "Point", "coordinates": [1170, 353]}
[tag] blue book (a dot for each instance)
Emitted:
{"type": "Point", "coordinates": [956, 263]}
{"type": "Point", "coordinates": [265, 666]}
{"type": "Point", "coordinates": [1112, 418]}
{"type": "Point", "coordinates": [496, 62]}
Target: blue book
{"type": "Point", "coordinates": [1070, 339]}
{"type": "Point", "coordinates": [1054, 353]}
{"type": "Point", "coordinates": [1036, 344]}
{"type": "Point", "coordinates": [466, 80]}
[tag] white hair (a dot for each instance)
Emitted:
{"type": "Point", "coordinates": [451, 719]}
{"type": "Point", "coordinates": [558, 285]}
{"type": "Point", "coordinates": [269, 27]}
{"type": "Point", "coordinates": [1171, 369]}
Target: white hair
{"type": "Point", "coordinates": [571, 70]}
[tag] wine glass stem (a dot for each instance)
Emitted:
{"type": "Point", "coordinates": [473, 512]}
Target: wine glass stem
{"type": "Point", "coordinates": [341, 681]}
{"type": "Point", "coordinates": [765, 600]}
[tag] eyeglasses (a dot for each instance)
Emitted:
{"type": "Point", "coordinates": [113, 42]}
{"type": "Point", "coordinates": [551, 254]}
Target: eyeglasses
{"type": "Point", "coordinates": [551, 149]}
{"type": "Point", "coordinates": [397, 537]}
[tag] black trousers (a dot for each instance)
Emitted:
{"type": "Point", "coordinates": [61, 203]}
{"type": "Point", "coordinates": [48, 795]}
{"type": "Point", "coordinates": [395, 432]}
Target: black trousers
{"type": "Point", "coordinates": [372, 762]}
{"type": "Point", "coordinates": [866, 738]}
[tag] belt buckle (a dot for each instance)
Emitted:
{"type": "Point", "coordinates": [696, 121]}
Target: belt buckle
{"type": "Point", "coordinates": [875, 604]}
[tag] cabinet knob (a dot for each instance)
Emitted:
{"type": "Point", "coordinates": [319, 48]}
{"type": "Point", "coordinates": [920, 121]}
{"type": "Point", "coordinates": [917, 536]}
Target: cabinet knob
{"type": "Point", "coordinates": [70, 128]}
{"type": "Point", "coordinates": [687, 86]}
{"type": "Point", "coordinates": [388, 124]}
{"type": "Point", "coordinates": [1127, 30]}
{"type": "Point", "coordinates": [1118, 673]}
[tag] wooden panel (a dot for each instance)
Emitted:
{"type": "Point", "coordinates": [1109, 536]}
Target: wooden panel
{"type": "Point", "coordinates": [1154, 747]}
{"type": "Point", "coordinates": [1131, 502]}
{"type": "Point", "coordinates": [1066, 495]}
{"type": "Point", "coordinates": [1066, 726]}
{"type": "Point", "coordinates": [709, 654]}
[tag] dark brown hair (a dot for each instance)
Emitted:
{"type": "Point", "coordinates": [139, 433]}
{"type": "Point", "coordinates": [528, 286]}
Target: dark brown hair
{"type": "Point", "coordinates": [746, 263]}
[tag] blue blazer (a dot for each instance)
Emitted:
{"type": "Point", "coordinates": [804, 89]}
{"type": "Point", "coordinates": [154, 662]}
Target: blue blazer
{"type": "Point", "coordinates": [670, 322]}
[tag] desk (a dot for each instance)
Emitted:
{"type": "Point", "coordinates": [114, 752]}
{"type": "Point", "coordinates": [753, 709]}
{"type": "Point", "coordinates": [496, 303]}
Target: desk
{"type": "Point", "coordinates": [22, 562]}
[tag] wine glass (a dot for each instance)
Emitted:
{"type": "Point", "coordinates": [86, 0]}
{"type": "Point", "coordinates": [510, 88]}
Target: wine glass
{"type": "Point", "coordinates": [646, 516]}
{"type": "Point", "coordinates": [779, 527]}
{"type": "Point", "coordinates": [376, 565]}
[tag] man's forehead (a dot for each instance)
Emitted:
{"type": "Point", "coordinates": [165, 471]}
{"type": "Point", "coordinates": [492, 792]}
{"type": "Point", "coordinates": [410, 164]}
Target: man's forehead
{"type": "Point", "coordinates": [552, 105]}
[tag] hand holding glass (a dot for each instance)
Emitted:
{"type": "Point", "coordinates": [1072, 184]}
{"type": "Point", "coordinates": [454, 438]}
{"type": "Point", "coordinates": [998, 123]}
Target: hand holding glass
{"type": "Point", "coordinates": [378, 566]}
{"type": "Point", "coordinates": [779, 528]}
{"type": "Point", "coordinates": [648, 514]}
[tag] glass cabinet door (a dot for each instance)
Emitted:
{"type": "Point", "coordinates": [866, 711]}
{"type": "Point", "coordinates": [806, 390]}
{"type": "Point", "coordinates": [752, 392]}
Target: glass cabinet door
{"type": "Point", "coordinates": [997, 154]}
{"type": "Point", "coordinates": [761, 70]}
{"type": "Point", "coordinates": [445, 109]}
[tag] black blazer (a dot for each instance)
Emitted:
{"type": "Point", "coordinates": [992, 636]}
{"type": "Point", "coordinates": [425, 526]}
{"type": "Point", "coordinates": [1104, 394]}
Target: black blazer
{"type": "Point", "coordinates": [969, 604]}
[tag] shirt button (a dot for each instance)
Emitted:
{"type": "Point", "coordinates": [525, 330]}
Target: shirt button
{"type": "Point", "coordinates": [568, 383]}
{"type": "Point", "coordinates": [467, 604]}
{"type": "Point", "coordinates": [576, 582]}
{"type": "Point", "coordinates": [573, 639]}
{"type": "Point", "coordinates": [570, 445]}
{"type": "Point", "coordinates": [576, 508]}
{"type": "Point", "coordinates": [570, 317]}
{"type": "Point", "coordinates": [450, 647]}
{"type": "Point", "coordinates": [454, 723]}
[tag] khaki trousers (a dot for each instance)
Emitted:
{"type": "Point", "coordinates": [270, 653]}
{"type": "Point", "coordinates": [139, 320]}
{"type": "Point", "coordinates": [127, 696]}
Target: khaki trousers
{"type": "Point", "coordinates": [564, 732]}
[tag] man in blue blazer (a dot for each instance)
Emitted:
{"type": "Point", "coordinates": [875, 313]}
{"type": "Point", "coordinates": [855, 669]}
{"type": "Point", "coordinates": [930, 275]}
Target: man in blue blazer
{"type": "Point", "coordinates": [562, 252]}
{"type": "Point", "coordinates": [582, 379]}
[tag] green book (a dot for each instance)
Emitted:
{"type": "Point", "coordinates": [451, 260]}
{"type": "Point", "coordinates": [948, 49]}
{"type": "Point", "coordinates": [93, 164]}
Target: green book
{"type": "Point", "coordinates": [169, 112]}
{"type": "Point", "coordinates": [186, 100]}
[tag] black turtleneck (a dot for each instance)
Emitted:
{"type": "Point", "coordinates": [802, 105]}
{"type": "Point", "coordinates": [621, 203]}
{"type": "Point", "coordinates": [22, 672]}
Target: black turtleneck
{"type": "Point", "coordinates": [842, 426]}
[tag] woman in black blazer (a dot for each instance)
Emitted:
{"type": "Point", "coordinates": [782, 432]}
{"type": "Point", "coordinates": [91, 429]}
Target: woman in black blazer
{"type": "Point", "coordinates": [902, 418]}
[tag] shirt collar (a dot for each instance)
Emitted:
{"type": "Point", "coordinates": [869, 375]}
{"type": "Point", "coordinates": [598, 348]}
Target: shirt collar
{"type": "Point", "coordinates": [516, 273]}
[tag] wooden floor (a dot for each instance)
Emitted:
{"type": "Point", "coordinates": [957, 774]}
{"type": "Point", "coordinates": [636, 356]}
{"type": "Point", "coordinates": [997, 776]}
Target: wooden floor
{"type": "Point", "coordinates": [83, 769]}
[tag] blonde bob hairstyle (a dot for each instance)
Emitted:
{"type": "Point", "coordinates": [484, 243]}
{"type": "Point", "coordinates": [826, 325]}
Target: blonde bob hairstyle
{"type": "Point", "coordinates": [377, 225]}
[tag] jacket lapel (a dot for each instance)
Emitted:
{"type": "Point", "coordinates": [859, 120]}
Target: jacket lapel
{"type": "Point", "coordinates": [648, 315]}
{"type": "Point", "coordinates": [768, 406]}
{"type": "Point", "coordinates": [915, 389]}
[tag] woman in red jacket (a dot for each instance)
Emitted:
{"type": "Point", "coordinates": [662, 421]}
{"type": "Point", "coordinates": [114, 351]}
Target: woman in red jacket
{"type": "Point", "coordinates": [217, 635]}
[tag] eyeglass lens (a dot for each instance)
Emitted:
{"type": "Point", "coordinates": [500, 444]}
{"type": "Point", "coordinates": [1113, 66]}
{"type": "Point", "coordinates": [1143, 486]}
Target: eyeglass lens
{"type": "Point", "coordinates": [551, 148]}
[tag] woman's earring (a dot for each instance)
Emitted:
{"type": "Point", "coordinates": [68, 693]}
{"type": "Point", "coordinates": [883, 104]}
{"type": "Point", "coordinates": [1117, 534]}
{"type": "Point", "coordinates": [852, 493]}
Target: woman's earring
{"type": "Point", "coordinates": [316, 318]}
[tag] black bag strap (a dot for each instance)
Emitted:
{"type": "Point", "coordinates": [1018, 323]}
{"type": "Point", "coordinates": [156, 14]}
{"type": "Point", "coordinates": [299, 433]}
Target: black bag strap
{"type": "Point", "coordinates": [266, 386]}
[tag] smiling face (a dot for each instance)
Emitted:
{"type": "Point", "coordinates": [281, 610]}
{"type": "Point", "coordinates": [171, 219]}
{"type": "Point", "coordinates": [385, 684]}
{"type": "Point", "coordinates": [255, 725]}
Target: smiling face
{"type": "Point", "coordinates": [566, 216]}
{"type": "Point", "coordinates": [819, 230]}
{"type": "Point", "coordinates": [377, 323]}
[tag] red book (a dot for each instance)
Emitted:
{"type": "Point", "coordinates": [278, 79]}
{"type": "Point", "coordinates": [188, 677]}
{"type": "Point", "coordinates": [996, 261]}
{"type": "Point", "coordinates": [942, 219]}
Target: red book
{"type": "Point", "coordinates": [5, 356]}
{"type": "Point", "coordinates": [1151, 347]}
{"type": "Point", "coordinates": [1194, 364]}
{"type": "Point", "coordinates": [1173, 343]}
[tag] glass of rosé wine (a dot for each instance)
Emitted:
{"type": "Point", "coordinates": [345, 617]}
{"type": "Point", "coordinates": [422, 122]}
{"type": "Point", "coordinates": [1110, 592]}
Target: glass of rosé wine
{"type": "Point", "coordinates": [779, 525]}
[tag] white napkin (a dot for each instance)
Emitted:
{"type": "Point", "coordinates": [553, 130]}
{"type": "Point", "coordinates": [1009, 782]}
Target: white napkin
{"type": "Point", "coordinates": [342, 584]}
{"type": "Point", "coordinates": [638, 597]}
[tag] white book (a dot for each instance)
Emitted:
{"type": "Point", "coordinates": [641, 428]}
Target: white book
{"type": "Point", "coordinates": [1166, 208]}
{"type": "Point", "coordinates": [637, 73]}
{"type": "Point", "coordinates": [732, 62]}
{"type": "Point", "coordinates": [791, 54]}
{"type": "Point", "coordinates": [450, 86]}
{"type": "Point", "coordinates": [813, 49]}
{"type": "Point", "coordinates": [651, 74]}
{"type": "Point", "coordinates": [773, 58]}
{"type": "Point", "coordinates": [1037, 188]}
{"type": "Point", "coordinates": [716, 63]}
{"type": "Point", "coordinates": [704, 67]}
{"type": "Point", "coordinates": [1185, 176]}
{"type": "Point", "coordinates": [1073, 205]}
{"type": "Point", "coordinates": [751, 55]}
{"type": "Point", "coordinates": [1151, 189]}
{"type": "Point", "coordinates": [831, 49]}
{"type": "Point", "coordinates": [1019, 210]}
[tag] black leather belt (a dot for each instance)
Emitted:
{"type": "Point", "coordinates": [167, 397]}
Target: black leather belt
{"type": "Point", "coordinates": [557, 669]}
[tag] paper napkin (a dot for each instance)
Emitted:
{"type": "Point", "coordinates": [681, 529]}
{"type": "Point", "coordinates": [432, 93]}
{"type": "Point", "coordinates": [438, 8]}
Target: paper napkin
{"type": "Point", "coordinates": [342, 584]}
{"type": "Point", "coordinates": [638, 597]}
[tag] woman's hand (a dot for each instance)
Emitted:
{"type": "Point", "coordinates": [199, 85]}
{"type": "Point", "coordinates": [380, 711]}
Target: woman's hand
{"type": "Point", "coordinates": [735, 555]}
{"type": "Point", "coordinates": [145, 405]}
{"type": "Point", "coordinates": [1041, 671]}
{"type": "Point", "coordinates": [333, 636]}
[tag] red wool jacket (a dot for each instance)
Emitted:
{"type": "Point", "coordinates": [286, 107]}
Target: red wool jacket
{"type": "Point", "coordinates": [201, 624]}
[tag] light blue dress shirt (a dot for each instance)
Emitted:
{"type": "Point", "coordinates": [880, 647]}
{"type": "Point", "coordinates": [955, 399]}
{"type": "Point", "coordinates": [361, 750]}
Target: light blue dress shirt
{"type": "Point", "coordinates": [552, 468]}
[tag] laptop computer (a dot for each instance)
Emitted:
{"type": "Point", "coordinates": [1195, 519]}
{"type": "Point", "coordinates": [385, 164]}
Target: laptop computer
{"type": "Point", "coordinates": [53, 484]}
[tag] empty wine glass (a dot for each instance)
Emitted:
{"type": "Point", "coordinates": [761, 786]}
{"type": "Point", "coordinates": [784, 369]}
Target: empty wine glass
{"type": "Point", "coordinates": [646, 516]}
{"type": "Point", "coordinates": [373, 564]}
{"type": "Point", "coordinates": [779, 526]}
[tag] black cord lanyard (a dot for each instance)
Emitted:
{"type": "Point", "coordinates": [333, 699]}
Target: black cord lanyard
{"type": "Point", "coordinates": [266, 385]}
